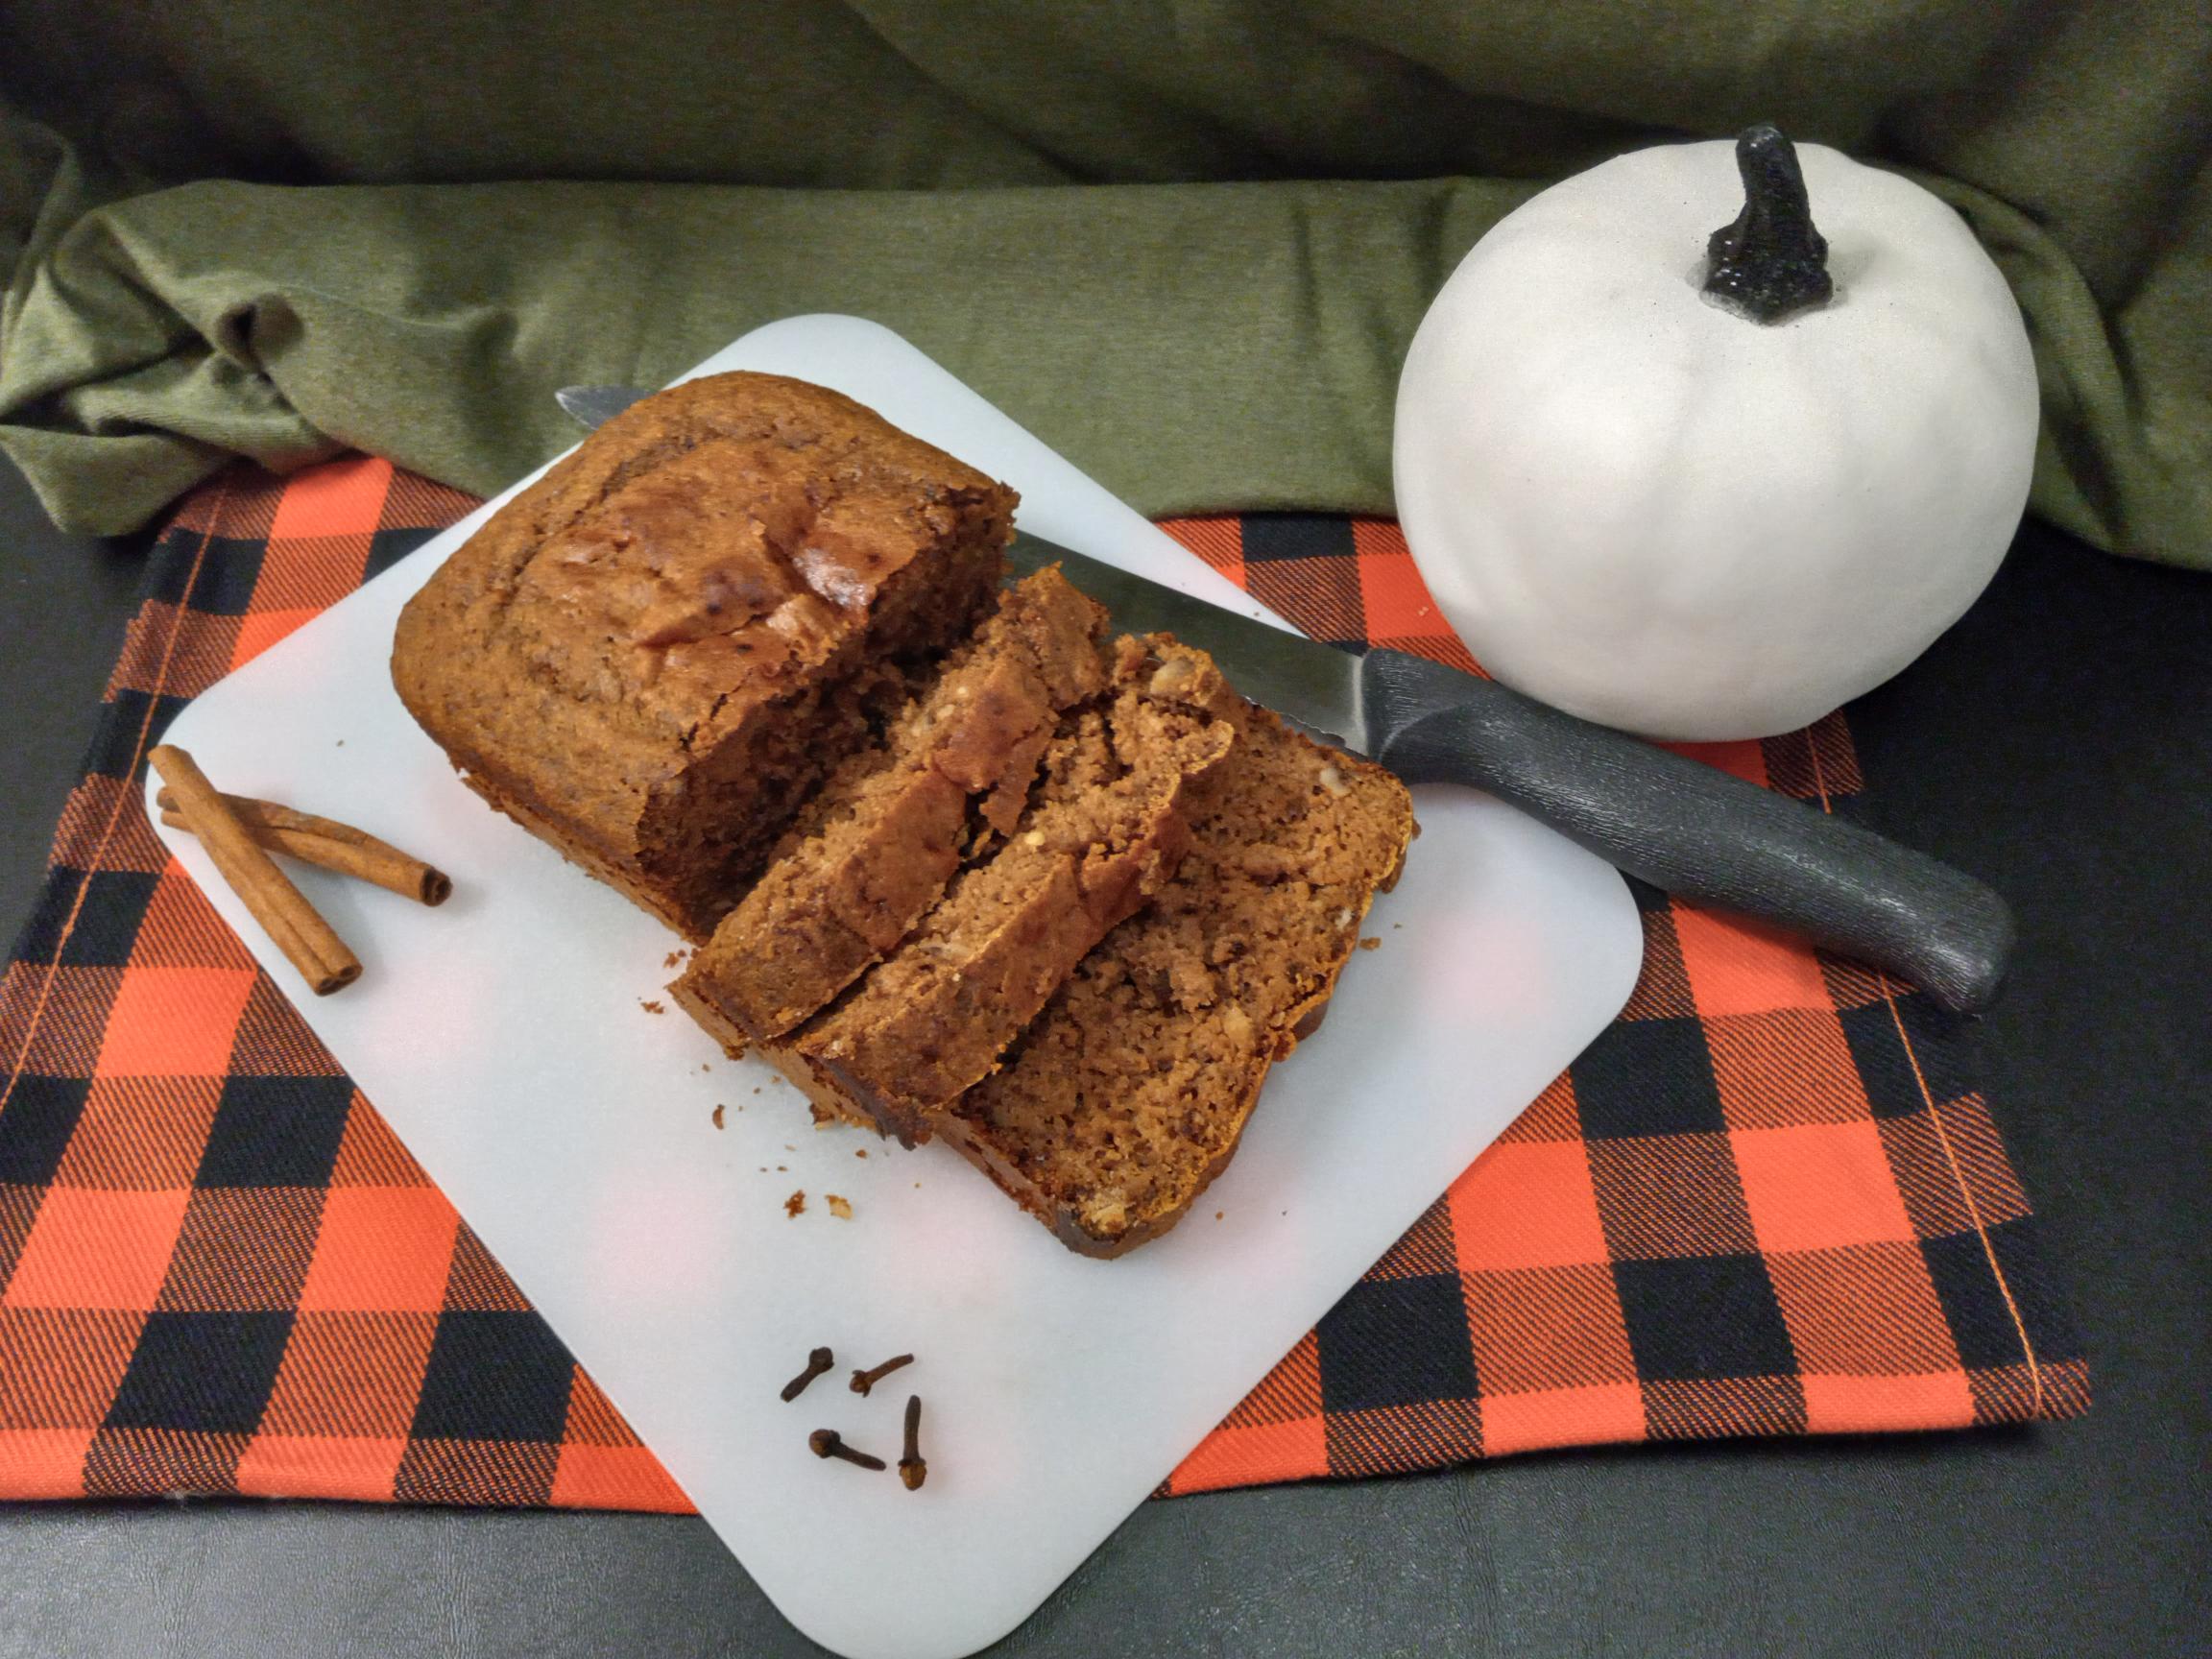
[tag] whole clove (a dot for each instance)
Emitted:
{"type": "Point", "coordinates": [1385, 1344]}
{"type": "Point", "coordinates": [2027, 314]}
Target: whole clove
{"type": "Point", "coordinates": [818, 1362]}
{"type": "Point", "coordinates": [863, 1380]}
{"type": "Point", "coordinates": [912, 1470]}
{"type": "Point", "coordinates": [827, 1443]}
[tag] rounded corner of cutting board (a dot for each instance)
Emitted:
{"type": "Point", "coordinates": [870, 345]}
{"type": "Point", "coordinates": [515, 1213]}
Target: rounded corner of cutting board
{"type": "Point", "coordinates": [994, 1623]}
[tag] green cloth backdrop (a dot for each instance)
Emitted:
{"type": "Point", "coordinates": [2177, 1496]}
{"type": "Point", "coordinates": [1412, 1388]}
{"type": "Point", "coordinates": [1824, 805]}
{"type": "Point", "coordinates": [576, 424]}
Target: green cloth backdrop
{"type": "Point", "coordinates": [1186, 243]}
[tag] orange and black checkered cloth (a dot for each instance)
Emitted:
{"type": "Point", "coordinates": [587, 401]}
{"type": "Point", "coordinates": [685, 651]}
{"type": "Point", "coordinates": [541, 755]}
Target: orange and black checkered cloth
{"type": "Point", "coordinates": [1769, 1199]}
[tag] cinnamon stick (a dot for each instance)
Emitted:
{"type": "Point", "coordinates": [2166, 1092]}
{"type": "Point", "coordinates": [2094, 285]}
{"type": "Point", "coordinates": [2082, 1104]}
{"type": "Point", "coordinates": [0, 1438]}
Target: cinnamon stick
{"type": "Point", "coordinates": [284, 914]}
{"type": "Point", "coordinates": [328, 845]}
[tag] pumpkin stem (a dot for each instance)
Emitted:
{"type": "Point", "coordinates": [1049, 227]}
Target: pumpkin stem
{"type": "Point", "coordinates": [1768, 262]}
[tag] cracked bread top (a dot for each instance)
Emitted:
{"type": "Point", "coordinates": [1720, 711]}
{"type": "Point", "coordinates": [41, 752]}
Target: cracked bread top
{"type": "Point", "coordinates": [702, 557]}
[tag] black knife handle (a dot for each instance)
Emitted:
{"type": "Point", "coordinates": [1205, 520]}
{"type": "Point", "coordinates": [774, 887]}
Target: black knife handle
{"type": "Point", "coordinates": [1692, 830]}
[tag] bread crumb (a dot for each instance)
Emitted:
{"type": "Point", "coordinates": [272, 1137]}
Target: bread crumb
{"type": "Point", "coordinates": [782, 1169]}
{"type": "Point", "coordinates": [717, 1114]}
{"type": "Point", "coordinates": [1217, 1215]}
{"type": "Point", "coordinates": [841, 1208]}
{"type": "Point", "coordinates": [340, 742]}
{"type": "Point", "coordinates": [756, 1088]}
{"type": "Point", "coordinates": [859, 1152]}
{"type": "Point", "coordinates": [1395, 925]}
{"type": "Point", "coordinates": [673, 959]}
{"type": "Point", "coordinates": [704, 1066]}
{"type": "Point", "coordinates": [651, 1007]}
{"type": "Point", "coordinates": [795, 1205]}
{"type": "Point", "coordinates": [1373, 942]}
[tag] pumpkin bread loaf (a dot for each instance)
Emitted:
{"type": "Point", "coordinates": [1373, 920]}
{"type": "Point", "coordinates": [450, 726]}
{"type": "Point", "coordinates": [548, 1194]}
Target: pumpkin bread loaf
{"type": "Point", "coordinates": [1127, 1095]}
{"type": "Point", "coordinates": [1105, 829]}
{"type": "Point", "coordinates": [1062, 905]}
{"type": "Point", "coordinates": [653, 655]}
{"type": "Point", "coordinates": [875, 848]}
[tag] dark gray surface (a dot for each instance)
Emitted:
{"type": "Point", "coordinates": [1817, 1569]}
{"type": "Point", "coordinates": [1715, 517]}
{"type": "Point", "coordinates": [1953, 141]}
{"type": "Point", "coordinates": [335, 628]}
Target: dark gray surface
{"type": "Point", "coordinates": [63, 606]}
{"type": "Point", "coordinates": [2058, 744]}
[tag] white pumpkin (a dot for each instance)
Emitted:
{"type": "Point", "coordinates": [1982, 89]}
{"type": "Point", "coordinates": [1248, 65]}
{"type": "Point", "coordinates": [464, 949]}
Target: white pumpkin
{"type": "Point", "coordinates": [1659, 514]}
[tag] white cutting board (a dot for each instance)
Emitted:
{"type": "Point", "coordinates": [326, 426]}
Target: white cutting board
{"type": "Point", "coordinates": [502, 1038]}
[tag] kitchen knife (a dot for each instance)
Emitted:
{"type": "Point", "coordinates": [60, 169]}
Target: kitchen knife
{"type": "Point", "coordinates": [1688, 829]}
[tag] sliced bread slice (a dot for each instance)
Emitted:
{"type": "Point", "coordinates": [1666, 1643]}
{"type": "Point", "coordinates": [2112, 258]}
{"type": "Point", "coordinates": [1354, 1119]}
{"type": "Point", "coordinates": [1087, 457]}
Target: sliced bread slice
{"type": "Point", "coordinates": [1105, 829]}
{"type": "Point", "coordinates": [1128, 1094]}
{"type": "Point", "coordinates": [877, 847]}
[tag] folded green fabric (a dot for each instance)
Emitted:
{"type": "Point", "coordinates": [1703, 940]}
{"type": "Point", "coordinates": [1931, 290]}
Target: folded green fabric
{"type": "Point", "coordinates": [1193, 346]}
{"type": "Point", "coordinates": [262, 232]}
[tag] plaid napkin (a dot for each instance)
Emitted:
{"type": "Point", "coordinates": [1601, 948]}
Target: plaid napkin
{"type": "Point", "coordinates": [1769, 1199]}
